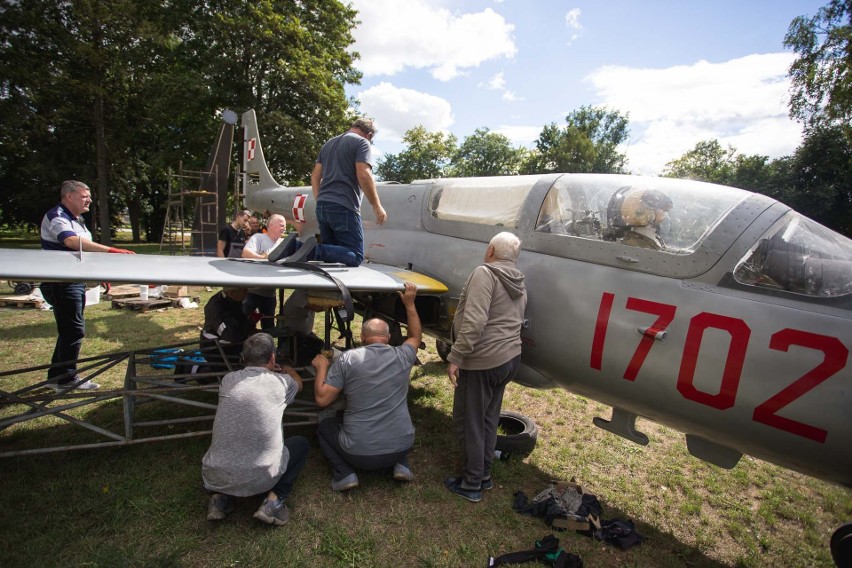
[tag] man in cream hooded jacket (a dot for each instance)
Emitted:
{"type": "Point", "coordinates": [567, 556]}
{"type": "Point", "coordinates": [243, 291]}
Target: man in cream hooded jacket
{"type": "Point", "coordinates": [485, 356]}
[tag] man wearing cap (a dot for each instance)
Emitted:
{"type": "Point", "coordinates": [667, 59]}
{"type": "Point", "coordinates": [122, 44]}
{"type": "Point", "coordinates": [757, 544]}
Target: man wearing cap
{"type": "Point", "coordinates": [342, 175]}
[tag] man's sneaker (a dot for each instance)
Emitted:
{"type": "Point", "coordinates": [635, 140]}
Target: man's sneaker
{"type": "Point", "coordinates": [345, 484]}
{"type": "Point", "coordinates": [305, 253]}
{"type": "Point", "coordinates": [284, 247]}
{"type": "Point", "coordinates": [454, 485]}
{"type": "Point", "coordinates": [487, 484]}
{"type": "Point", "coordinates": [85, 385]}
{"type": "Point", "coordinates": [402, 473]}
{"type": "Point", "coordinates": [273, 512]}
{"type": "Point", "coordinates": [219, 506]}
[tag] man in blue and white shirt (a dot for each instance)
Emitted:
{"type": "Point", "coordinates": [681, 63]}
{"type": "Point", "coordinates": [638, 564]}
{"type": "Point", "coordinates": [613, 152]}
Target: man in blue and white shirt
{"type": "Point", "coordinates": [63, 228]}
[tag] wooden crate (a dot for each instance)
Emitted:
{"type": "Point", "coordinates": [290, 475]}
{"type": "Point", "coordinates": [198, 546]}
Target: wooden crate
{"type": "Point", "coordinates": [141, 305]}
{"type": "Point", "coordinates": [21, 302]}
{"type": "Point", "coordinates": [121, 292]}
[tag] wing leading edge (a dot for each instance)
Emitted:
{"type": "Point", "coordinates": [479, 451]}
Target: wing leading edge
{"type": "Point", "coordinates": [61, 266]}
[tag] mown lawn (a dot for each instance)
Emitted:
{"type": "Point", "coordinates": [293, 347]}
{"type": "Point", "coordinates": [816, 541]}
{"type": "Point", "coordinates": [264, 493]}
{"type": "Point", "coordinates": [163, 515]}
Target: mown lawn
{"type": "Point", "coordinates": [143, 506]}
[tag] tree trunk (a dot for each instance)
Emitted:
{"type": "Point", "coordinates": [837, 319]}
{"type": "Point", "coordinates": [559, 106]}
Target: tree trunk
{"type": "Point", "coordinates": [103, 182]}
{"type": "Point", "coordinates": [134, 211]}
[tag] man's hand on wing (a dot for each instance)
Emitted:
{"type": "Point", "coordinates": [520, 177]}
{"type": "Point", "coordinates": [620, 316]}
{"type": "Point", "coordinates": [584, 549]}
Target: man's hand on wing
{"type": "Point", "coordinates": [408, 294]}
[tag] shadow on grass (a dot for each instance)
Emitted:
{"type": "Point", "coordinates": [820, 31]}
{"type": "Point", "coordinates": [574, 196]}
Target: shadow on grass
{"type": "Point", "coordinates": [143, 506]}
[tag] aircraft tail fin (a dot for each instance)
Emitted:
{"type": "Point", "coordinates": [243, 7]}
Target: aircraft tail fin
{"type": "Point", "coordinates": [254, 163]}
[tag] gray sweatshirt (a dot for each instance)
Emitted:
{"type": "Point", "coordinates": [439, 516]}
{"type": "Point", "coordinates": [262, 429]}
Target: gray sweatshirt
{"type": "Point", "coordinates": [487, 325]}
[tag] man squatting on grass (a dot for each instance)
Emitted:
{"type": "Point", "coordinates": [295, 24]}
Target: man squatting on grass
{"type": "Point", "coordinates": [486, 355]}
{"type": "Point", "coordinates": [63, 228]}
{"type": "Point", "coordinates": [377, 431]}
{"type": "Point", "coordinates": [248, 453]}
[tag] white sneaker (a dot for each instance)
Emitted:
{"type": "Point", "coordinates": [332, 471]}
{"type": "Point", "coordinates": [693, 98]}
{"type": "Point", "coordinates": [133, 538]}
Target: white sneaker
{"type": "Point", "coordinates": [85, 385]}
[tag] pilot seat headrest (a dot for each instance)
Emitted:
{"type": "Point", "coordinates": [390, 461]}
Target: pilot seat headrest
{"type": "Point", "coordinates": [636, 207]}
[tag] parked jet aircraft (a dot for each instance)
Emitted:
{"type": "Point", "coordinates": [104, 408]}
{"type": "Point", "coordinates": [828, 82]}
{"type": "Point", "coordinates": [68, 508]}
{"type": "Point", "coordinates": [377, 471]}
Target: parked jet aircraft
{"type": "Point", "coordinates": [721, 313]}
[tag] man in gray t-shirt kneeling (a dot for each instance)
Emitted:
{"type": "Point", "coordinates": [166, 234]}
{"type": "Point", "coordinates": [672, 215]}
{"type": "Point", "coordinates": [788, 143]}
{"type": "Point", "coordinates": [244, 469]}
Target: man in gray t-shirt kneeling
{"type": "Point", "coordinates": [248, 453]}
{"type": "Point", "coordinates": [376, 431]}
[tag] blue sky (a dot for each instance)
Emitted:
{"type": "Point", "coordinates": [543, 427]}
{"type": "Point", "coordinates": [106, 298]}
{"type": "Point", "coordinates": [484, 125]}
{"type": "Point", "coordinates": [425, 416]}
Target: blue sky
{"type": "Point", "coordinates": [684, 71]}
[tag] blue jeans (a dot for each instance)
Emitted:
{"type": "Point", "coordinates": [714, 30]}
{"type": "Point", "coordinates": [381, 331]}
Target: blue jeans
{"type": "Point", "coordinates": [298, 448]}
{"type": "Point", "coordinates": [341, 234]}
{"type": "Point", "coordinates": [68, 301]}
{"type": "Point", "coordinates": [265, 305]}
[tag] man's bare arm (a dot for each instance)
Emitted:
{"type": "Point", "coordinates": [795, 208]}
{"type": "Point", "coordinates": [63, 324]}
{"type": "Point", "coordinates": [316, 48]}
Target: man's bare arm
{"type": "Point", "coordinates": [368, 186]}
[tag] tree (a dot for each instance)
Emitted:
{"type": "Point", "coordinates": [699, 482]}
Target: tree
{"type": "Point", "coordinates": [822, 75]}
{"type": "Point", "coordinates": [821, 179]}
{"type": "Point", "coordinates": [114, 92]}
{"type": "Point", "coordinates": [708, 161]}
{"type": "Point", "coordinates": [287, 59]}
{"type": "Point", "coordinates": [588, 143]}
{"type": "Point", "coordinates": [486, 153]}
{"type": "Point", "coordinates": [427, 156]}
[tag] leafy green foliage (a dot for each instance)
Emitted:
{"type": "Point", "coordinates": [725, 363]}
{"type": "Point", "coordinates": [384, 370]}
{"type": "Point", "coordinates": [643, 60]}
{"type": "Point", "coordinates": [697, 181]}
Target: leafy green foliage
{"type": "Point", "coordinates": [821, 179]}
{"type": "Point", "coordinates": [486, 153]}
{"type": "Point", "coordinates": [815, 181]}
{"type": "Point", "coordinates": [116, 92]}
{"type": "Point", "coordinates": [707, 161]}
{"type": "Point", "coordinates": [428, 155]}
{"type": "Point", "coordinates": [588, 143]}
{"type": "Point", "coordinates": [822, 74]}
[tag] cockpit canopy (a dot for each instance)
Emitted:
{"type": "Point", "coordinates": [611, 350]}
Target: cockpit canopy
{"type": "Point", "coordinates": [694, 222]}
{"type": "Point", "coordinates": [801, 256]}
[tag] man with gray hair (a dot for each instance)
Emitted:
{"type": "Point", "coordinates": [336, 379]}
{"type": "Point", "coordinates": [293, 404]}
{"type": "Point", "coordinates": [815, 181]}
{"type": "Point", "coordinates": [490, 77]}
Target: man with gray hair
{"type": "Point", "coordinates": [485, 356]}
{"type": "Point", "coordinates": [63, 228]}
{"type": "Point", "coordinates": [342, 175]}
{"type": "Point", "coordinates": [260, 302]}
{"type": "Point", "coordinates": [248, 453]}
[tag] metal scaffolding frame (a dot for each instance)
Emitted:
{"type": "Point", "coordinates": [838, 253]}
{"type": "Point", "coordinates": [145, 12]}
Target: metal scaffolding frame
{"type": "Point", "coordinates": [38, 402]}
{"type": "Point", "coordinates": [205, 230]}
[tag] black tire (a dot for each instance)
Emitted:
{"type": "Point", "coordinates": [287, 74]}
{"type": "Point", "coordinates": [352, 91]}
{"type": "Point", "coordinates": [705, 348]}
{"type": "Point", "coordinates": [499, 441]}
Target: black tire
{"type": "Point", "coordinates": [443, 348]}
{"type": "Point", "coordinates": [24, 288]}
{"type": "Point", "coordinates": [841, 546]}
{"type": "Point", "coordinates": [521, 434]}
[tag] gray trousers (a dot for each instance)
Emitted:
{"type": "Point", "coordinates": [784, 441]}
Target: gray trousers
{"type": "Point", "coordinates": [476, 412]}
{"type": "Point", "coordinates": [344, 463]}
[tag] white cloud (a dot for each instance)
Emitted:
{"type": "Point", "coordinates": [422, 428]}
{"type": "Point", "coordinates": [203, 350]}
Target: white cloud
{"type": "Point", "coordinates": [397, 110]}
{"type": "Point", "coordinates": [498, 83]}
{"type": "Point", "coordinates": [572, 20]}
{"type": "Point", "coordinates": [742, 102]}
{"type": "Point", "coordinates": [510, 97]}
{"type": "Point", "coordinates": [395, 35]}
{"type": "Point", "coordinates": [520, 135]}
{"type": "Point", "coordinates": [495, 83]}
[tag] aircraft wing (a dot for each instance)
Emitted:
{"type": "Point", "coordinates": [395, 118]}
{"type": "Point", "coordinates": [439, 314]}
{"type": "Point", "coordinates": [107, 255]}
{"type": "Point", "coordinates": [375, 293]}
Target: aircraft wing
{"type": "Point", "coordinates": [63, 266]}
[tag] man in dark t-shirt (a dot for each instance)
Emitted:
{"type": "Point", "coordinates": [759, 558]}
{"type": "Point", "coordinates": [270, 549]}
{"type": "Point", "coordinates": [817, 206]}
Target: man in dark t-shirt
{"type": "Point", "coordinates": [342, 175]}
{"type": "Point", "coordinates": [233, 234]}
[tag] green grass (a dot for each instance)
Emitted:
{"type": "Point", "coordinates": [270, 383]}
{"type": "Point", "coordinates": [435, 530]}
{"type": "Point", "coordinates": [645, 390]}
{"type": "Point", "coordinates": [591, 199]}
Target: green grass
{"type": "Point", "coordinates": [143, 506]}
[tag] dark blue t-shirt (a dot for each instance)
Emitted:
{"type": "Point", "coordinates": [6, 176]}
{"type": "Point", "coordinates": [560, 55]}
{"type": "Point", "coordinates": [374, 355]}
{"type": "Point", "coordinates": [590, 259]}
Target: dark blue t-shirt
{"type": "Point", "coordinates": [339, 182]}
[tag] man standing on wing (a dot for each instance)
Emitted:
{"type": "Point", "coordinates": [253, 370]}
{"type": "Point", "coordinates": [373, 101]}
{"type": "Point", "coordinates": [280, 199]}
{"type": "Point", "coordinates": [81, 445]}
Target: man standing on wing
{"type": "Point", "coordinates": [485, 356]}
